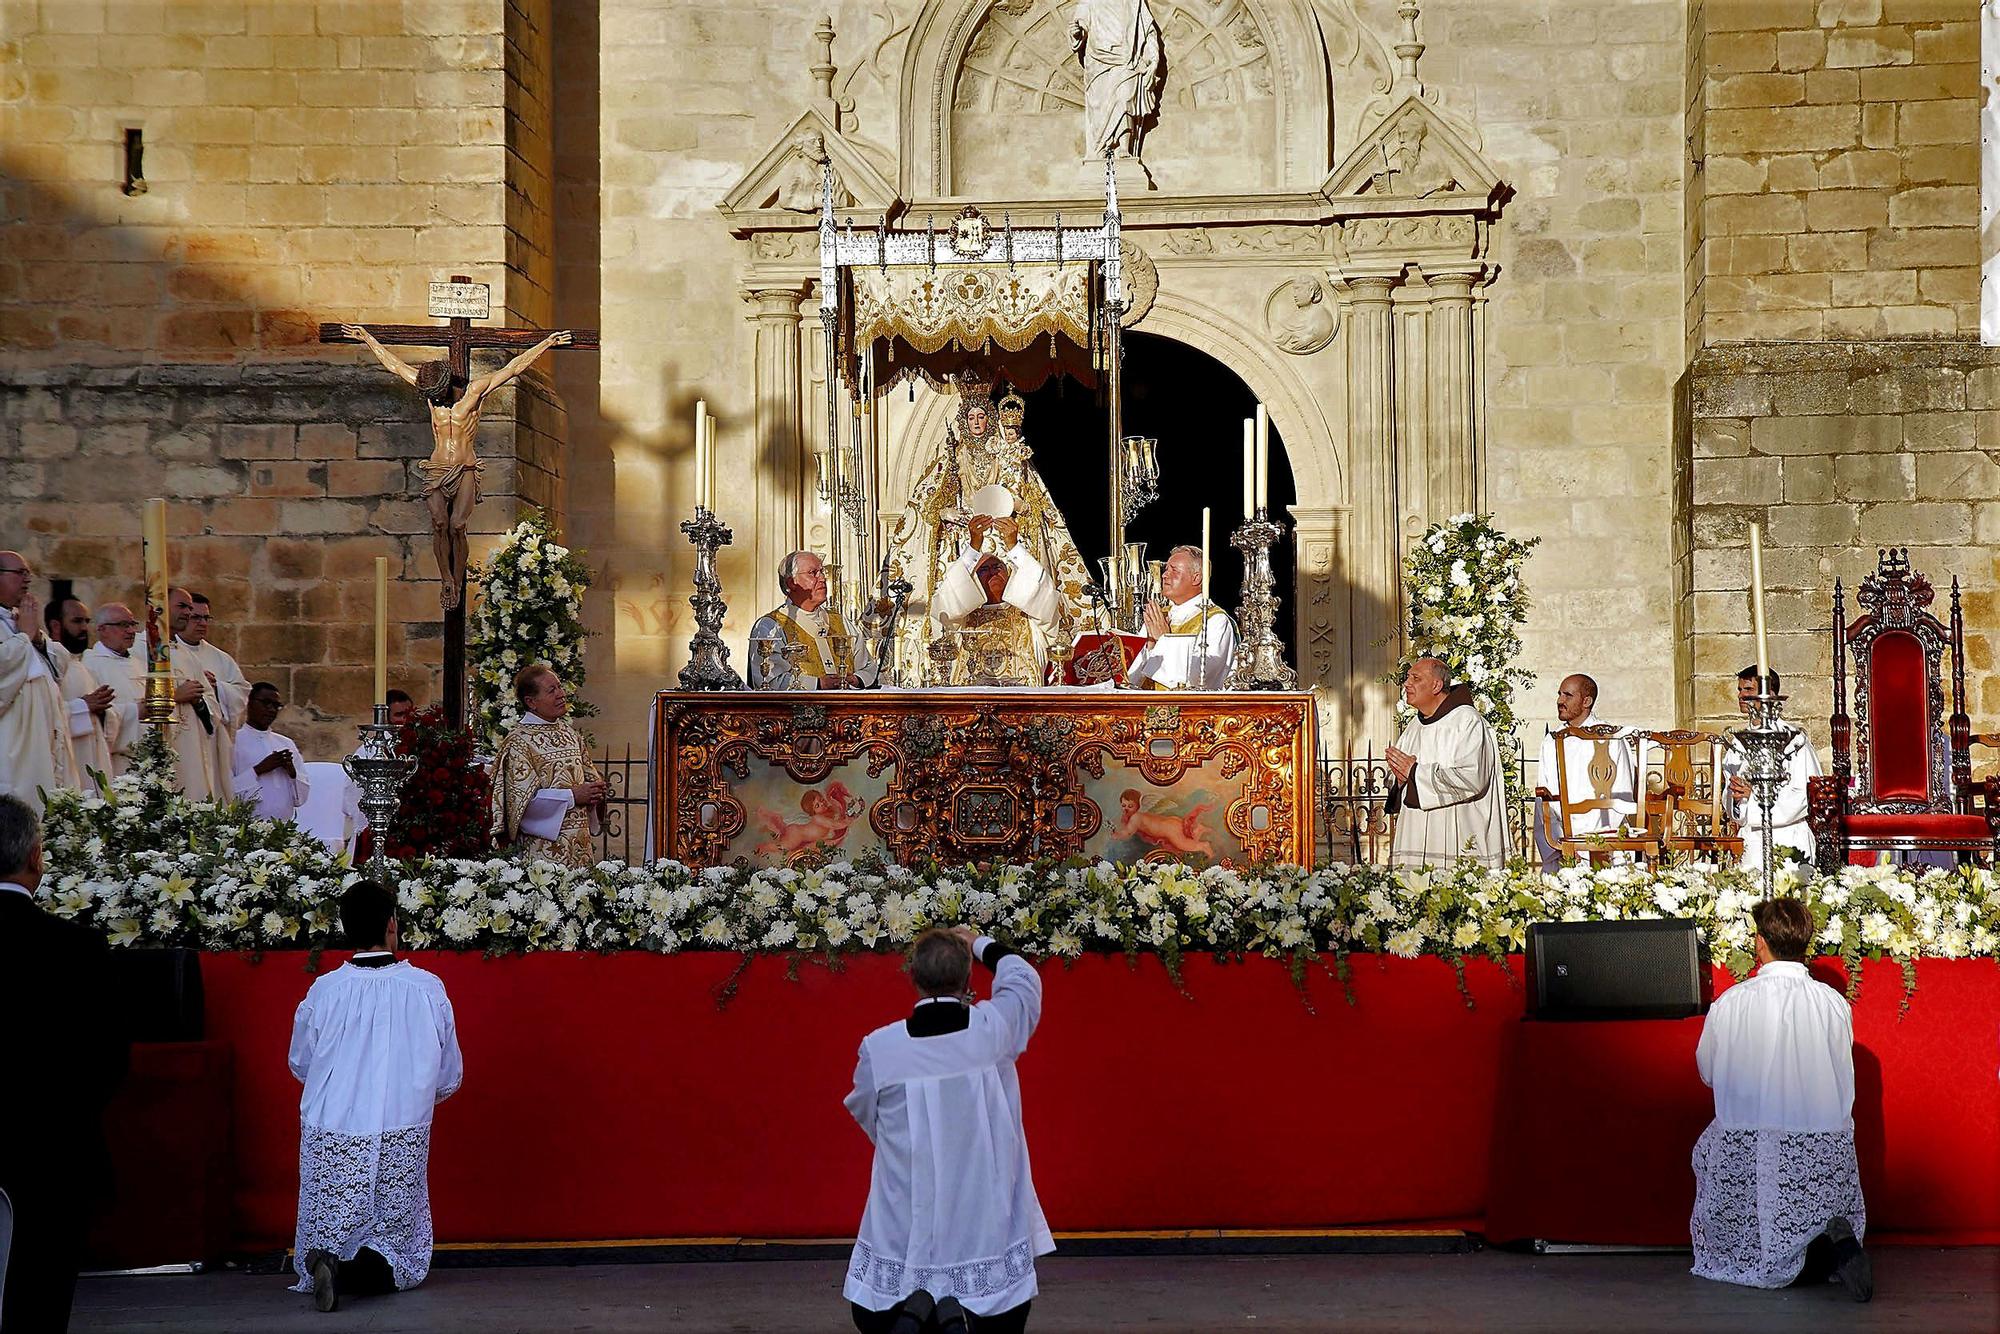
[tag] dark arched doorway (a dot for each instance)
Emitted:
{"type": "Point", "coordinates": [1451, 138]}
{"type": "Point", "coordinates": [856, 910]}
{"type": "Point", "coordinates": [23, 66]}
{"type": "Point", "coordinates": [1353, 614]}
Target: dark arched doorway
{"type": "Point", "coordinates": [1194, 406]}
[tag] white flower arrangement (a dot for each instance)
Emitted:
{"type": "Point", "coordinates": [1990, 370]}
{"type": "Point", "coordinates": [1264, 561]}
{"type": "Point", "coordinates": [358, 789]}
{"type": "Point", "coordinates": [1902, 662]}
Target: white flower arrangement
{"type": "Point", "coordinates": [1467, 606]}
{"type": "Point", "coordinates": [214, 877]}
{"type": "Point", "coordinates": [530, 608]}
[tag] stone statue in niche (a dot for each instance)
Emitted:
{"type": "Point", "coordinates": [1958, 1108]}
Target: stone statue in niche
{"type": "Point", "coordinates": [1124, 68]}
{"type": "Point", "coordinates": [799, 189]}
{"type": "Point", "coordinates": [1298, 317]}
{"type": "Point", "coordinates": [1405, 170]}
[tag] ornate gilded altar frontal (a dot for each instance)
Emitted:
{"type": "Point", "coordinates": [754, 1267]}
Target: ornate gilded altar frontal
{"type": "Point", "coordinates": [956, 776]}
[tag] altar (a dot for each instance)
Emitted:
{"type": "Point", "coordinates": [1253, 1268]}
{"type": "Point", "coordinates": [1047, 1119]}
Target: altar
{"type": "Point", "coordinates": [957, 776]}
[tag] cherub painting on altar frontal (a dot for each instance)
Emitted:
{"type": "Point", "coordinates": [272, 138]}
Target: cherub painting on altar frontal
{"type": "Point", "coordinates": [1171, 835]}
{"type": "Point", "coordinates": [820, 828]}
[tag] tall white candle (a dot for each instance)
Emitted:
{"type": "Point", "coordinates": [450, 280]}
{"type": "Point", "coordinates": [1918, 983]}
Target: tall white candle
{"type": "Point", "coordinates": [381, 629]}
{"type": "Point", "coordinates": [1263, 458]}
{"type": "Point", "coordinates": [1204, 554]}
{"type": "Point", "coordinates": [1249, 468]}
{"type": "Point", "coordinates": [1757, 603]}
{"type": "Point", "coordinates": [708, 466]}
{"type": "Point", "coordinates": [700, 450]}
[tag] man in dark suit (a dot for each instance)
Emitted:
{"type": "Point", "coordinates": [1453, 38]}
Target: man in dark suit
{"type": "Point", "coordinates": [62, 1052]}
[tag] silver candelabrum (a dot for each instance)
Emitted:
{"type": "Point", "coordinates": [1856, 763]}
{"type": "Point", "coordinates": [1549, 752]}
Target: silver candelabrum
{"type": "Point", "coordinates": [708, 657]}
{"type": "Point", "coordinates": [1764, 744]}
{"type": "Point", "coordinates": [1260, 654]}
{"type": "Point", "coordinates": [379, 769]}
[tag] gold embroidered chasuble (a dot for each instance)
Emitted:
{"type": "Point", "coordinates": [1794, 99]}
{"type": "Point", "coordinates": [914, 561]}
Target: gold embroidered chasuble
{"type": "Point", "coordinates": [810, 660]}
{"type": "Point", "coordinates": [535, 756]}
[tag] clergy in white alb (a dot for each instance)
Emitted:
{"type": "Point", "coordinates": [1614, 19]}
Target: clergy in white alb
{"type": "Point", "coordinates": [1000, 603]}
{"type": "Point", "coordinates": [1190, 642]}
{"type": "Point", "coordinates": [809, 644]}
{"type": "Point", "coordinates": [200, 771]}
{"type": "Point", "coordinates": [226, 684]}
{"type": "Point", "coordinates": [1450, 793]}
{"type": "Point", "coordinates": [375, 1045]}
{"type": "Point", "coordinates": [87, 699]}
{"type": "Point", "coordinates": [266, 765]}
{"type": "Point", "coordinates": [118, 659]}
{"type": "Point", "coordinates": [36, 754]}
{"type": "Point", "coordinates": [951, 1206]}
{"type": "Point", "coordinates": [1790, 827]}
{"type": "Point", "coordinates": [1777, 1190]}
{"type": "Point", "coordinates": [1576, 705]}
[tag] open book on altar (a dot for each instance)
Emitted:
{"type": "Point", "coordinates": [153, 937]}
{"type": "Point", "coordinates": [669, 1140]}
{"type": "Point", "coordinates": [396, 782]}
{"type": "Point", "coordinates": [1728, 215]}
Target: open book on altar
{"type": "Point", "coordinates": [1101, 656]}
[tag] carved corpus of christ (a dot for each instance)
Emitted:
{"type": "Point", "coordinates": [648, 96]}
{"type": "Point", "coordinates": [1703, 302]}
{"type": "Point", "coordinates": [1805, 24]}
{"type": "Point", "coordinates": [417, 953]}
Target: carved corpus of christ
{"type": "Point", "coordinates": [451, 474]}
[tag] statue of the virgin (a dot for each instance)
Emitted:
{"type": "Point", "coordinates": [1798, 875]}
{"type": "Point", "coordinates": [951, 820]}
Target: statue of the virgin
{"type": "Point", "coordinates": [984, 465]}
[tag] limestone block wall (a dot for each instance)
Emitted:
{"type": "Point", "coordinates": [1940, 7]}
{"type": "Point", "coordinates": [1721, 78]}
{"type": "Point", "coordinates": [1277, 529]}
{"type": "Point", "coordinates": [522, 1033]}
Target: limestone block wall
{"type": "Point", "coordinates": [305, 160]}
{"type": "Point", "coordinates": [1836, 392]}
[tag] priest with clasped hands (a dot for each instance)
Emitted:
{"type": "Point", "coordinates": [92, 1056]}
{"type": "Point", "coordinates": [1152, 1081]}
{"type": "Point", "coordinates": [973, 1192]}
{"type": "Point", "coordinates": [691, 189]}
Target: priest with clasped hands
{"type": "Point", "coordinates": [1449, 798]}
{"type": "Point", "coordinates": [1178, 655]}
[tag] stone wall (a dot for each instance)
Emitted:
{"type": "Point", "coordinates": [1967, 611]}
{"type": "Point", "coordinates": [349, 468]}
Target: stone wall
{"type": "Point", "coordinates": [1836, 392]}
{"type": "Point", "coordinates": [303, 162]}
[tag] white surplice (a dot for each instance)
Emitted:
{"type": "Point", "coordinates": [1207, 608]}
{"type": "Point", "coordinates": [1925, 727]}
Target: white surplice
{"type": "Point", "coordinates": [1789, 826]}
{"type": "Point", "coordinates": [195, 757]}
{"type": "Point", "coordinates": [1454, 808]}
{"type": "Point", "coordinates": [278, 794]}
{"type": "Point", "coordinates": [229, 703]}
{"type": "Point", "coordinates": [125, 673]}
{"type": "Point", "coordinates": [951, 1199]}
{"type": "Point", "coordinates": [1183, 658]}
{"type": "Point", "coordinates": [90, 734]}
{"type": "Point", "coordinates": [377, 1050]}
{"type": "Point", "coordinates": [1029, 588]}
{"type": "Point", "coordinates": [36, 754]}
{"type": "Point", "coordinates": [1777, 1163]}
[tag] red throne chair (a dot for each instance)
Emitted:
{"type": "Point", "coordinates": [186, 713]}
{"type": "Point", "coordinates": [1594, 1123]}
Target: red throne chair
{"type": "Point", "coordinates": [1913, 790]}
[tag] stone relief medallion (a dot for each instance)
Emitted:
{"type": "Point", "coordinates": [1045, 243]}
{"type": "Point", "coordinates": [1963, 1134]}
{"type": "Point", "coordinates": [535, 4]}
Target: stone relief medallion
{"type": "Point", "coordinates": [1142, 282]}
{"type": "Point", "coordinates": [1298, 318]}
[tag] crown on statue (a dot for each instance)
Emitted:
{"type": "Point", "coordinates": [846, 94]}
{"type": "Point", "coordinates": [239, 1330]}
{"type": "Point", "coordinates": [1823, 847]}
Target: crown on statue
{"type": "Point", "coordinates": [1012, 409]}
{"type": "Point", "coordinates": [972, 386]}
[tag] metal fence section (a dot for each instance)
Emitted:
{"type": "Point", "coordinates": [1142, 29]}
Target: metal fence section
{"type": "Point", "coordinates": [623, 837]}
{"type": "Point", "coordinates": [1351, 809]}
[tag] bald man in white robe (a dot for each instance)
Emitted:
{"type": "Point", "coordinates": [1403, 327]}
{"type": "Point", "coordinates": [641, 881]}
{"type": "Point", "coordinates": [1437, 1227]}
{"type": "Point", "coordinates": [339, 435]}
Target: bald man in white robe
{"type": "Point", "coordinates": [1450, 797]}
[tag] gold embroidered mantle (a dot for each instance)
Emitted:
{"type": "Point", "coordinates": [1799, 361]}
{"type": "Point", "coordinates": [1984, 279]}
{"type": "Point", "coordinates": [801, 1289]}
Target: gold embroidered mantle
{"type": "Point", "coordinates": [532, 757]}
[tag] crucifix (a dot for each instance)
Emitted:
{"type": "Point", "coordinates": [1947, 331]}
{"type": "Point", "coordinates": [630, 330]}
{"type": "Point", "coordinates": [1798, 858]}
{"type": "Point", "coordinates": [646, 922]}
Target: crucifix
{"type": "Point", "coordinates": [455, 397]}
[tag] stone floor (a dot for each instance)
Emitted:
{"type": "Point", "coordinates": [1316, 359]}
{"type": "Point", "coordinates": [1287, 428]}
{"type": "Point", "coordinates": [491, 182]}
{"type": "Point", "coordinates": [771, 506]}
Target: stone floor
{"type": "Point", "coordinates": [1935, 1291]}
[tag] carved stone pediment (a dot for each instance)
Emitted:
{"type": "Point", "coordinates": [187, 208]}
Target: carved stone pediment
{"type": "Point", "coordinates": [1412, 154]}
{"type": "Point", "coordinates": [783, 189]}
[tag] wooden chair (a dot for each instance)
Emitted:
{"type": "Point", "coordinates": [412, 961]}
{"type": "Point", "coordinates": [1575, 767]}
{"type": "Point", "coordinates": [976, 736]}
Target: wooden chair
{"type": "Point", "coordinates": [1689, 814]}
{"type": "Point", "coordinates": [1902, 771]}
{"type": "Point", "coordinates": [1603, 771]}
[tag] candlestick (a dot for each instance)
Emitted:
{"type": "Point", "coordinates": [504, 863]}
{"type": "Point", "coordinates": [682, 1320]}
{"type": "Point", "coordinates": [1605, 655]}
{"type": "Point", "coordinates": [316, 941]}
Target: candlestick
{"type": "Point", "coordinates": [1757, 604]}
{"type": "Point", "coordinates": [1249, 469]}
{"type": "Point", "coordinates": [1260, 654]}
{"type": "Point", "coordinates": [708, 657]}
{"type": "Point", "coordinates": [157, 708]}
{"type": "Point", "coordinates": [381, 629]}
{"type": "Point", "coordinates": [1263, 458]}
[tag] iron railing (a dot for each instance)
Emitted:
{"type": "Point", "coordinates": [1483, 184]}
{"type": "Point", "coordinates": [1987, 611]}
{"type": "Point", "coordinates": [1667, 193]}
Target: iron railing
{"type": "Point", "coordinates": [1351, 812]}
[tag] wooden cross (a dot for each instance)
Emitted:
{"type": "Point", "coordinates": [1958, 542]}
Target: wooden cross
{"type": "Point", "coordinates": [457, 338]}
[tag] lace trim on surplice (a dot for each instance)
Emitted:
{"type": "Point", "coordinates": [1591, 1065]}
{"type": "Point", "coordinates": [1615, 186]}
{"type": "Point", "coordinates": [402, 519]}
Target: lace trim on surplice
{"type": "Point", "coordinates": [365, 1190]}
{"type": "Point", "coordinates": [1761, 1196]}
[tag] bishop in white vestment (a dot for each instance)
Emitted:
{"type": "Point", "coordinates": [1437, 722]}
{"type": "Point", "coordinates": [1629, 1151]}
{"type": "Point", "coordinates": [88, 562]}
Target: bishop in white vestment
{"type": "Point", "coordinates": [951, 1207]}
{"type": "Point", "coordinates": [1789, 826]}
{"type": "Point", "coordinates": [266, 766]}
{"type": "Point", "coordinates": [118, 659]}
{"type": "Point", "coordinates": [36, 754]}
{"type": "Point", "coordinates": [1450, 798]}
{"type": "Point", "coordinates": [812, 646]}
{"type": "Point", "coordinates": [1777, 1185]}
{"type": "Point", "coordinates": [376, 1047]}
{"type": "Point", "coordinates": [1191, 642]}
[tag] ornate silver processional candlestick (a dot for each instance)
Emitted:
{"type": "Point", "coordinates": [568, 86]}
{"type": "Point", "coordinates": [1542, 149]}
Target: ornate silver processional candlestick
{"type": "Point", "coordinates": [1260, 655]}
{"type": "Point", "coordinates": [380, 771]}
{"type": "Point", "coordinates": [1765, 743]}
{"type": "Point", "coordinates": [708, 657]}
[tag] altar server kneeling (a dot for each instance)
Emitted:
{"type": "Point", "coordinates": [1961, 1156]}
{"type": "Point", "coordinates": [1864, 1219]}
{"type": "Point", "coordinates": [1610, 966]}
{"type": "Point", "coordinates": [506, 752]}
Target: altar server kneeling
{"type": "Point", "coordinates": [1777, 1190]}
{"type": "Point", "coordinates": [952, 1228]}
{"type": "Point", "coordinates": [375, 1046]}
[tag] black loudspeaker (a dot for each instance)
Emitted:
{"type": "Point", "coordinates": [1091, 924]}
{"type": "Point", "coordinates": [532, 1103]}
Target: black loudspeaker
{"type": "Point", "coordinates": [159, 994]}
{"type": "Point", "coordinates": [1616, 970]}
